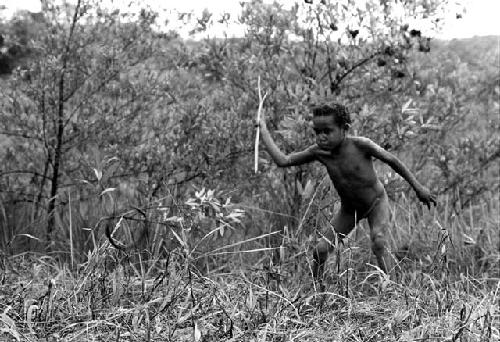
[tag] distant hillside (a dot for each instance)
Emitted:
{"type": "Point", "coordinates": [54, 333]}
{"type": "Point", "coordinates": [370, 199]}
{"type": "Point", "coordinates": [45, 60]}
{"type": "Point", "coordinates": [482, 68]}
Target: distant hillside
{"type": "Point", "coordinates": [470, 50]}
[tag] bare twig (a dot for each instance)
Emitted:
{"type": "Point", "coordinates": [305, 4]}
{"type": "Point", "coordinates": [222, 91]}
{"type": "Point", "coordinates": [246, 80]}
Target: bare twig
{"type": "Point", "coordinates": [259, 110]}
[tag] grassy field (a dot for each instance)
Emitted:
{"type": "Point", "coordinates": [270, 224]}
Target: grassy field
{"type": "Point", "coordinates": [446, 289]}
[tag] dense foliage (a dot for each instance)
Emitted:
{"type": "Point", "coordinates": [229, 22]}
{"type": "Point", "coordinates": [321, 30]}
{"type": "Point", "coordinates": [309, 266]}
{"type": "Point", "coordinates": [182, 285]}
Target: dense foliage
{"type": "Point", "coordinates": [102, 97]}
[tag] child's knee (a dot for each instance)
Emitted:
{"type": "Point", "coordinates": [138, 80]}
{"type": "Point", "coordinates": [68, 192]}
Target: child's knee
{"type": "Point", "coordinates": [378, 243]}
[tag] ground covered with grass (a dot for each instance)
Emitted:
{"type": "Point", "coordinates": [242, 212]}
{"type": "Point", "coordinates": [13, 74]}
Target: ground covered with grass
{"type": "Point", "coordinates": [445, 286]}
{"type": "Point", "coordinates": [166, 300]}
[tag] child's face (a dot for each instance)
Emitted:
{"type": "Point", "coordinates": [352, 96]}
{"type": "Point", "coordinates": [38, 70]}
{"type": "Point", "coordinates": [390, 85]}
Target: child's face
{"type": "Point", "coordinates": [328, 134]}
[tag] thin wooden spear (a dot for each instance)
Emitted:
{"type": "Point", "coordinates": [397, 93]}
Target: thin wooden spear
{"type": "Point", "coordinates": [261, 103]}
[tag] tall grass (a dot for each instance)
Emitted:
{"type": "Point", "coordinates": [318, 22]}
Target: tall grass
{"type": "Point", "coordinates": [207, 286]}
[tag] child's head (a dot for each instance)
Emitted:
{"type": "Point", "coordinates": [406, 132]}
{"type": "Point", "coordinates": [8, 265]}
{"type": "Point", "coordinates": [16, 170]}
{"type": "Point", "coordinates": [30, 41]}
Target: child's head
{"type": "Point", "coordinates": [336, 111]}
{"type": "Point", "coordinates": [330, 123]}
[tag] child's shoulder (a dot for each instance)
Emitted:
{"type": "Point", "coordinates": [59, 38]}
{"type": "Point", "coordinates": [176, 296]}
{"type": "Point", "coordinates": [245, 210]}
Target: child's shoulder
{"type": "Point", "coordinates": [360, 141]}
{"type": "Point", "coordinates": [358, 138]}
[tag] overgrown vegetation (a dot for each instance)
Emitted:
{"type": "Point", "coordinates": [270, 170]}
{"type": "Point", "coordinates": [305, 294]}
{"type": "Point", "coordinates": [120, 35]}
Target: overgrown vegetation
{"type": "Point", "coordinates": [107, 124]}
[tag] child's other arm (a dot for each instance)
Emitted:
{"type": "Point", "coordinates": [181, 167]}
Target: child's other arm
{"type": "Point", "coordinates": [423, 194]}
{"type": "Point", "coordinates": [279, 157]}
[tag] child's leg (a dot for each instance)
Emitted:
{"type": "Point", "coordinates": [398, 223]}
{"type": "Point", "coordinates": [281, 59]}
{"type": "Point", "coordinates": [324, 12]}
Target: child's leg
{"type": "Point", "coordinates": [378, 219]}
{"type": "Point", "coordinates": [343, 225]}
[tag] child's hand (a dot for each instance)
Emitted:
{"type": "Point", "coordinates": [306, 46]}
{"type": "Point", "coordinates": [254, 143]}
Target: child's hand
{"type": "Point", "coordinates": [425, 196]}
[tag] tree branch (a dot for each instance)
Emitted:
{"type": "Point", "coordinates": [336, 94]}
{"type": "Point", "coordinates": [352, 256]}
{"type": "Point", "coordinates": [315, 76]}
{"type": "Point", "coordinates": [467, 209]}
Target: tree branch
{"type": "Point", "coordinates": [335, 85]}
{"type": "Point", "coordinates": [12, 172]}
{"type": "Point", "coordinates": [21, 135]}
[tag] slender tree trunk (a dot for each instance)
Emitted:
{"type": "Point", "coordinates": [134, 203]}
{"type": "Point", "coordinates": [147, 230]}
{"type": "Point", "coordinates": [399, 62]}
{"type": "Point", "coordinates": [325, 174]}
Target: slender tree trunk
{"type": "Point", "coordinates": [58, 149]}
{"type": "Point", "coordinates": [42, 186]}
{"type": "Point", "coordinates": [57, 160]}
{"type": "Point", "coordinates": [43, 181]}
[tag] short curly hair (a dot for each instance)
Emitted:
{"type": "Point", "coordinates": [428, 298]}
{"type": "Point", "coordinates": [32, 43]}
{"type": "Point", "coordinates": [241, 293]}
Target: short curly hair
{"type": "Point", "coordinates": [339, 113]}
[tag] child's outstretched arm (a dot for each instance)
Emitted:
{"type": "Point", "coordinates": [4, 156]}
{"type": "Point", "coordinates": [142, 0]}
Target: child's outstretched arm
{"type": "Point", "coordinates": [279, 157]}
{"type": "Point", "coordinates": [423, 194]}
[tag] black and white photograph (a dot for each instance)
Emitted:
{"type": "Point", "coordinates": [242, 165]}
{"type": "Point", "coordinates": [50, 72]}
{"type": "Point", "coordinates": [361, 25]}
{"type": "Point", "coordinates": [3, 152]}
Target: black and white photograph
{"type": "Point", "coordinates": [250, 171]}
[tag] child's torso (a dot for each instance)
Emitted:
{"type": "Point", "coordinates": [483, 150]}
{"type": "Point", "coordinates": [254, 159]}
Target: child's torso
{"type": "Point", "coordinates": [353, 175]}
